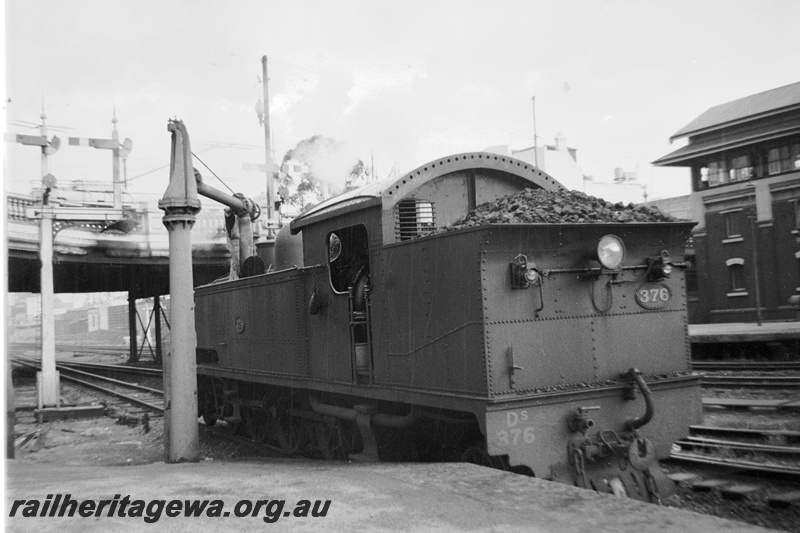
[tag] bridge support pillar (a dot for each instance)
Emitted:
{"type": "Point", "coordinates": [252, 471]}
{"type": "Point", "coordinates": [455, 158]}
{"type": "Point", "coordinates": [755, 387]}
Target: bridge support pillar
{"type": "Point", "coordinates": [132, 330]}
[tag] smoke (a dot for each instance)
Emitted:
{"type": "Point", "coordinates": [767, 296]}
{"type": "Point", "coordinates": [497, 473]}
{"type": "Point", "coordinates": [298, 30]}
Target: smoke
{"type": "Point", "coordinates": [333, 167]}
{"type": "Point", "coordinates": [328, 160]}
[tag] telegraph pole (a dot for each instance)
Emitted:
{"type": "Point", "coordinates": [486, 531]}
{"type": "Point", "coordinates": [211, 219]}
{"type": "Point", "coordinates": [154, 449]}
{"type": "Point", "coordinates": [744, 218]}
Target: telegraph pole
{"type": "Point", "coordinates": [117, 150]}
{"type": "Point", "coordinates": [48, 390]}
{"type": "Point", "coordinates": [268, 145]}
{"type": "Point", "coordinates": [117, 180]}
{"type": "Point", "coordinates": [49, 387]}
{"type": "Point", "coordinates": [535, 137]}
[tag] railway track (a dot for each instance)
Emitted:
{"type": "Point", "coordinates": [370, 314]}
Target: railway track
{"type": "Point", "coordinates": [749, 469]}
{"type": "Point", "coordinates": [747, 434]}
{"type": "Point", "coordinates": [761, 366]}
{"type": "Point", "coordinates": [752, 382]}
{"type": "Point", "coordinates": [753, 395]}
{"type": "Point", "coordinates": [150, 398]}
{"type": "Point", "coordinates": [91, 375]}
{"type": "Point", "coordinates": [144, 372]}
{"type": "Point", "coordinates": [71, 348]}
{"type": "Point", "coordinates": [751, 451]}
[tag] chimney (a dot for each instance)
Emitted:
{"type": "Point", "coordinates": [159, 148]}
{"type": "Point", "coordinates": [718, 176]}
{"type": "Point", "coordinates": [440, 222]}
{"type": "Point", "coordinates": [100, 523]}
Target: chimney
{"type": "Point", "coordinates": [561, 142]}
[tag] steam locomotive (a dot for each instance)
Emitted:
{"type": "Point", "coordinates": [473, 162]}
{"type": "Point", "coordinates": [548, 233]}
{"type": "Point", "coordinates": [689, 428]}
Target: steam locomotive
{"type": "Point", "coordinates": [554, 350]}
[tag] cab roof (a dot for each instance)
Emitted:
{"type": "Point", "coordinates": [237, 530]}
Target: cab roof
{"type": "Point", "coordinates": [388, 192]}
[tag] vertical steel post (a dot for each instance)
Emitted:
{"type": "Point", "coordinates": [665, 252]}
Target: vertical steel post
{"type": "Point", "coordinates": [180, 205]}
{"type": "Point", "coordinates": [268, 143]}
{"type": "Point", "coordinates": [246, 246]}
{"type": "Point", "coordinates": [117, 181]}
{"type": "Point", "coordinates": [49, 392]}
{"type": "Point", "coordinates": [754, 229]}
{"type": "Point", "coordinates": [10, 410]}
{"type": "Point", "coordinates": [157, 311]}
{"type": "Point", "coordinates": [133, 332]}
{"type": "Point", "coordinates": [535, 137]}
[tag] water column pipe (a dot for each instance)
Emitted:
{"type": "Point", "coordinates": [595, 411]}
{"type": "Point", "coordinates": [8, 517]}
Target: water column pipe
{"type": "Point", "coordinates": [243, 208]}
{"type": "Point", "coordinates": [181, 205]}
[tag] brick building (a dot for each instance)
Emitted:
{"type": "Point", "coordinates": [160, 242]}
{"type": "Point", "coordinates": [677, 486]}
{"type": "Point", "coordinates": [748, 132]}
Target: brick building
{"type": "Point", "coordinates": [744, 157]}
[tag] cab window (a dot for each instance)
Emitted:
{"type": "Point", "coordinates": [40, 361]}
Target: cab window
{"type": "Point", "coordinates": [348, 257]}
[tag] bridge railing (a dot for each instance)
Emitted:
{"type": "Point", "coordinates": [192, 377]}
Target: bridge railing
{"type": "Point", "coordinates": [16, 206]}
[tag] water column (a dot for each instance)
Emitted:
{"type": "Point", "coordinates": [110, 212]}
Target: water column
{"type": "Point", "coordinates": [181, 204]}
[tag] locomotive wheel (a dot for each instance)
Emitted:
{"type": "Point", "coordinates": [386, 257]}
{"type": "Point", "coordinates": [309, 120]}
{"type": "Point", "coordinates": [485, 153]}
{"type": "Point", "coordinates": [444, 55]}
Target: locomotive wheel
{"type": "Point", "coordinates": [329, 441]}
{"type": "Point", "coordinates": [256, 422]}
{"type": "Point", "coordinates": [478, 455]}
{"type": "Point", "coordinates": [289, 435]}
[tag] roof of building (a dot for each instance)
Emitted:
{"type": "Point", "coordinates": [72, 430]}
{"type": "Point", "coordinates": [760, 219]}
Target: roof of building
{"type": "Point", "coordinates": [743, 109]}
{"type": "Point", "coordinates": [678, 206]}
{"type": "Point", "coordinates": [707, 145]}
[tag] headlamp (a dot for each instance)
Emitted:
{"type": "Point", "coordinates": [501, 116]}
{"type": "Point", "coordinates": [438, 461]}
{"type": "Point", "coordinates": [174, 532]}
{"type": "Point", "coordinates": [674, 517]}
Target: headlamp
{"type": "Point", "coordinates": [659, 267]}
{"type": "Point", "coordinates": [523, 273]}
{"type": "Point", "coordinates": [532, 275]}
{"type": "Point", "coordinates": [610, 252]}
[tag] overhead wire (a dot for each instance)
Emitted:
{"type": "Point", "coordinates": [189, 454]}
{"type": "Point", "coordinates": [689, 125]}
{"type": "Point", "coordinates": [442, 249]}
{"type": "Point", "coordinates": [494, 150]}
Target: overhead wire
{"type": "Point", "coordinates": [215, 175]}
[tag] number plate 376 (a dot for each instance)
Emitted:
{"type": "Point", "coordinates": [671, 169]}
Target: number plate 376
{"type": "Point", "coordinates": [653, 295]}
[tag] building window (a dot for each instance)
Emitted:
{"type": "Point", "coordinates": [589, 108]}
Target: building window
{"type": "Point", "coordinates": [690, 273]}
{"type": "Point", "coordinates": [741, 168]}
{"type": "Point", "coordinates": [783, 158]}
{"type": "Point", "coordinates": [779, 160]}
{"type": "Point", "coordinates": [736, 276]}
{"type": "Point", "coordinates": [703, 183]}
{"type": "Point", "coordinates": [797, 256]}
{"type": "Point", "coordinates": [797, 214]}
{"type": "Point", "coordinates": [717, 173]}
{"type": "Point", "coordinates": [732, 224]}
{"type": "Point", "coordinates": [796, 156]}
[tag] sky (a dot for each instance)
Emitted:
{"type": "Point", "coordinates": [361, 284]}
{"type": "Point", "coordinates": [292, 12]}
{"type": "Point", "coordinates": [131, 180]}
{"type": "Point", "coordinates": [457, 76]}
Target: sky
{"type": "Point", "coordinates": [400, 83]}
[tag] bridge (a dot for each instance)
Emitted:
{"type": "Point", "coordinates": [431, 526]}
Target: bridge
{"type": "Point", "coordinates": [124, 249]}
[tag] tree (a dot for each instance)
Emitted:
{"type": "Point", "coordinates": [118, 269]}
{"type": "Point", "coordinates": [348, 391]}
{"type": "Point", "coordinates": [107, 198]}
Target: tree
{"type": "Point", "coordinates": [316, 169]}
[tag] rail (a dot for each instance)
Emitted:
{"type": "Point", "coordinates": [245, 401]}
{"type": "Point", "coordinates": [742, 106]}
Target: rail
{"type": "Point", "coordinates": [759, 382]}
{"type": "Point", "coordinates": [105, 390]}
{"type": "Point", "coordinates": [745, 365]}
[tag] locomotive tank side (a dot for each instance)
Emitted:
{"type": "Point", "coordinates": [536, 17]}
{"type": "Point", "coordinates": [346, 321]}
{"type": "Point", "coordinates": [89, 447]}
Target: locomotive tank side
{"type": "Point", "coordinates": [429, 318]}
{"type": "Point", "coordinates": [253, 324]}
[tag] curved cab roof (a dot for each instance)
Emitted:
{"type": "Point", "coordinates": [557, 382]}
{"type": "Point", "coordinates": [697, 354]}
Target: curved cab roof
{"type": "Point", "coordinates": [387, 193]}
